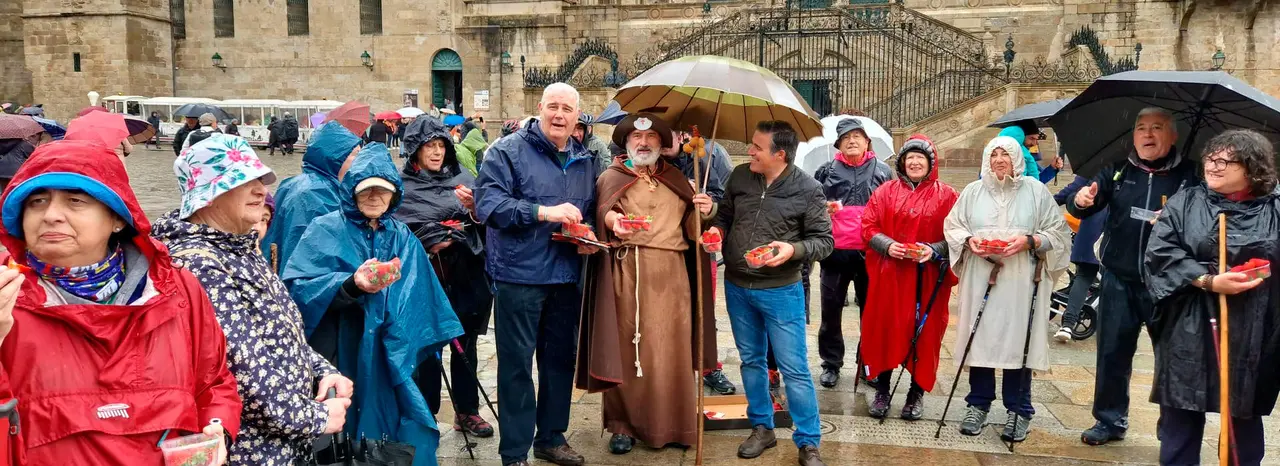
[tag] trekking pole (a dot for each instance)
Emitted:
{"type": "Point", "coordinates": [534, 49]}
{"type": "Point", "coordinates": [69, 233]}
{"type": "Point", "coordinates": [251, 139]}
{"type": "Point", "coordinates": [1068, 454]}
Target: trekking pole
{"type": "Point", "coordinates": [1031, 317]}
{"type": "Point", "coordinates": [919, 328]}
{"type": "Point", "coordinates": [466, 439]}
{"type": "Point", "coordinates": [991, 283]}
{"type": "Point", "coordinates": [1226, 438]}
{"type": "Point", "coordinates": [463, 355]}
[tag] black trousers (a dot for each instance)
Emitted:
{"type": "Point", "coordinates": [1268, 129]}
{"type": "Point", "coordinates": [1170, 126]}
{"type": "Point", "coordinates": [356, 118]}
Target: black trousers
{"type": "Point", "coordinates": [1086, 274]}
{"type": "Point", "coordinates": [1125, 308]}
{"type": "Point", "coordinates": [839, 269]}
{"type": "Point", "coordinates": [462, 378]}
{"type": "Point", "coordinates": [1181, 435]}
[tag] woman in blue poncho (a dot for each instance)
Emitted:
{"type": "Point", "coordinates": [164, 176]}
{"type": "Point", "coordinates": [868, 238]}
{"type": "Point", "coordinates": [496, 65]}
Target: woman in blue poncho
{"type": "Point", "coordinates": [376, 333]}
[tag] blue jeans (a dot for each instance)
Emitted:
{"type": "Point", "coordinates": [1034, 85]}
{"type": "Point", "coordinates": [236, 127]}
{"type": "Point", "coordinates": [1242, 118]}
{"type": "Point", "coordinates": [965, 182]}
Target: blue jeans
{"type": "Point", "coordinates": [529, 319]}
{"type": "Point", "coordinates": [1016, 389]}
{"type": "Point", "coordinates": [774, 317]}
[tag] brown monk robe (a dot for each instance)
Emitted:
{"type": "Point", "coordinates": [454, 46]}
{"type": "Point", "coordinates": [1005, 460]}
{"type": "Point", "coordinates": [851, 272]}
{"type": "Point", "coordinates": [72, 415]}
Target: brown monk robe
{"type": "Point", "coordinates": [651, 398]}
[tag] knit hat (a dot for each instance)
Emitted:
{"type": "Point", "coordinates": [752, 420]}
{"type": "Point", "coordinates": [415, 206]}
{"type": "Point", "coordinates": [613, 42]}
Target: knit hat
{"type": "Point", "coordinates": [215, 166]}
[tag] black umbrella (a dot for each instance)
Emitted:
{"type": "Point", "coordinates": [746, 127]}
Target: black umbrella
{"type": "Point", "coordinates": [1038, 113]}
{"type": "Point", "coordinates": [195, 110]}
{"type": "Point", "coordinates": [1096, 128]}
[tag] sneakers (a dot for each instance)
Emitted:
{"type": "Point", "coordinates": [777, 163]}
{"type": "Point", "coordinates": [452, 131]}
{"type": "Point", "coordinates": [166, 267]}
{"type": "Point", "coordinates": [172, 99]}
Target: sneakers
{"type": "Point", "coordinates": [621, 444]}
{"type": "Point", "coordinates": [1063, 335]}
{"type": "Point", "coordinates": [974, 419]}
{"type": "Point", "coordinates": [1100, 434]}
{"type": "Point", "coordinates": [829, 378]}
{"type": "Point", "coordinates": [880, 406]}
{"type": "Point", "coordinates": [562, 455]}
{"type": "Point", "coordinates": [775, 379]}
{"type": "Point", "coordinates": [809, 456]}
{"type": "Point", "coordinates": [718, 382]}
{"type": "Point", "coordinates": [474, 424]}
{"type": "Point", "coordinates": [1015, 429]}
{"type": "Point", "coordinates": [914, 409]}
{"type": "Point", "coordinates": [760, 440]}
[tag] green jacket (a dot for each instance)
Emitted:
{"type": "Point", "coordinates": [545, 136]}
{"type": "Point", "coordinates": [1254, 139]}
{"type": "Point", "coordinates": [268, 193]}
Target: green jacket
{"type": "Point", "coordinates": [471, 151]}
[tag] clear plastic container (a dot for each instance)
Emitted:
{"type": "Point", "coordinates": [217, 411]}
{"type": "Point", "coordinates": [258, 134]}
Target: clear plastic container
{"type": "Point", "coordinates": [191, 450]}
{"type": "Point", "coordinates": [1258, 272]}
{"type": "Point", "coordinates": [576, 230]}
{"type": "Point", "coordinates": [917, 252]}
{"type": "Point", "coordinates": [758, 256]}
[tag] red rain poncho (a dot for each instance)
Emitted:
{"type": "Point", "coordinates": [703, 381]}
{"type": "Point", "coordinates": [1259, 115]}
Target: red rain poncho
{"type": "Point", "coordinates": [906, 214]}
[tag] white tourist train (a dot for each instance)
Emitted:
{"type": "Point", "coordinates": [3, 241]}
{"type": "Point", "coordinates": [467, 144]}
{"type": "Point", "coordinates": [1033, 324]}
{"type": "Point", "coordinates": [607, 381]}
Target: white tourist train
{"type": "Point", "coordinates": [253, 114]}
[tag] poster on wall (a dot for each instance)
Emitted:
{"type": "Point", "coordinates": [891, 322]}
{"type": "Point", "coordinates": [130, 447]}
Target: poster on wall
{"type": "Point", "coordinates": [481, 100]}
{"type": "Point", "coordinates": [411, 98]}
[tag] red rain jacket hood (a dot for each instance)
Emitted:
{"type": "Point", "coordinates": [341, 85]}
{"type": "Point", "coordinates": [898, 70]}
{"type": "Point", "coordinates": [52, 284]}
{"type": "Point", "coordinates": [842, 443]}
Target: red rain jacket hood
{"type": "Point", "coordinates": [99, 384]}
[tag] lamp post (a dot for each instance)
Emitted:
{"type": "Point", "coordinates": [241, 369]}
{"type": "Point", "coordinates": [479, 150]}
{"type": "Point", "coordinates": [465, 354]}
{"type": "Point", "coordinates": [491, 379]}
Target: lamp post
{"type": "Point", "coordinates": [217, 62]}
{"type": "Point", "coordinates": [1008, 55]}
{"type": "Point", "coordinates": [366, 60]}
{"type": "Point", "coordinates": [505, 60]}
{"type": "Point", "coordinates": [1219, 59]}
{"type": "Point", "coordinates": [522, 69]}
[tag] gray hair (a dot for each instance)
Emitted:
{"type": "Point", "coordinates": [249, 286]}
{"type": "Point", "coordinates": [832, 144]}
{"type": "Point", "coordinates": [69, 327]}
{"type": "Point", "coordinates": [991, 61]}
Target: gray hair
{"type": "Point", "coordinates": [561, 88]}
{"type": "Point", "coordinates": [1162, 112]}
{"type": "Point", "coordinates": [208, 120]}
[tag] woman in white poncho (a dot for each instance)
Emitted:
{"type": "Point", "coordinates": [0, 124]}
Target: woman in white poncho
{"type": "Point", "coordinates": [1004, 205]}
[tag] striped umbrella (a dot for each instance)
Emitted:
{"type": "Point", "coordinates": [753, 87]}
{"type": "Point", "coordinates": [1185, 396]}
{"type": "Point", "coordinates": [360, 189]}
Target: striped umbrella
{"type": "Point", "coordinates": [723, 95]}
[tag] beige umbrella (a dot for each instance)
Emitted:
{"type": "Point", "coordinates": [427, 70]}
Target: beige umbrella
{"type": "Point", "coordinates": [725, 95]}
{"type": "Point", "coordinates": [728, 96]}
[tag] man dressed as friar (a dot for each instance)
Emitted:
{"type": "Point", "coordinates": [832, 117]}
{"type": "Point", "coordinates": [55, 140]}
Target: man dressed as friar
{"type": "Point", "coordinates": [637, 341]}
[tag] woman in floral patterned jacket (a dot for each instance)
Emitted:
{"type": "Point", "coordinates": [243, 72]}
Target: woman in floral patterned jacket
{"type": "Point", "coordinates": [280, 377]}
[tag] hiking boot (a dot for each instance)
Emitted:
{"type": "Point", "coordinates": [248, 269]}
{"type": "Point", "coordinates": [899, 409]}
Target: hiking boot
{"type": "Point", "coordinates": [1063, 335]}
{"type": "Point", "coordinates": [1100, 434]}
{"type": "Point", "coordinates": [829, 378]}
{"type": "Point", "coordinates": [775, 379]}
{"type": "Point", "coordinates": [474, 424]}
{"type": "Point", "coordinates": [1015, 429]}
{"type": "Point", "coordinates": [809, 456]}
{"type": "Point", "coordinates": [914, 409]}
{"type": "Point", "coordinates": [562, 455]}
{"type": "Point", "coordinates": [975, 419]}
{"type": "Point", "coordinates": [880, 406]}
{"type": "Point", "coordinates": [719, 383]}
{"type": "Point", "coordinates": [621, 444]}
{"type": "Point", "coordinates": [761, 439]}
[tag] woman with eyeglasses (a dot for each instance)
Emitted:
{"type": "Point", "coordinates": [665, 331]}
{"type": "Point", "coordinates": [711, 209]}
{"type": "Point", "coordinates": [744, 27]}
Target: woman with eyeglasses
{"type": "Point", "coordinates": [1181, 274]}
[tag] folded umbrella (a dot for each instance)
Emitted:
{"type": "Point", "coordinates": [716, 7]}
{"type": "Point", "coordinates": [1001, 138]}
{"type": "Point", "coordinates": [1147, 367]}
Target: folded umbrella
{"type": "Point", "coordinates": [1037, 113]}
{"type": "Point", "coordinates": [353, 115]}
{"type": "Point", "coordinates": [195, 110]}
{"type": "Point", "coordinates": [18, 126]}
{"type": "Point", "coordinates": [55, 130]}
{"type": "Point", "coordinates": [387, 116]}
{"type": "Point", "coordinates": [1096, 127]}
{"type": "Point", "coordinates": [104, 128]}
{"type": "Point", "coordinates": [140, 130]}
{"type": "Point", "coordinates": [410, 112]}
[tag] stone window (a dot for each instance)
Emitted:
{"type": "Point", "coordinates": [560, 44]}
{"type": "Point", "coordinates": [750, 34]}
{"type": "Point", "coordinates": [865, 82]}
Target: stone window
{"type": "Point", "coordinates": [224, 18]}
{"type": "Point", "coordinates": [299, 18]}
{"type": "Point", "coordinates": [75, 62]}
{"type": "Point", "coordinates": [178, 15]}
{"type": "Point", "coordinates": [371, 16]}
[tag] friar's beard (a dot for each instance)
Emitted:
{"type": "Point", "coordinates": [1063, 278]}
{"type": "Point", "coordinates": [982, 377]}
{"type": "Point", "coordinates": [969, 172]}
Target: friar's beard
{"type": "Point", "coordinates": [647, 158]}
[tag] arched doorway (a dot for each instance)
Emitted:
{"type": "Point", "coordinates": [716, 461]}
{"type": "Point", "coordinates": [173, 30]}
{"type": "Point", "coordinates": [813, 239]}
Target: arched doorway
{"type": "Point", "coordinates": [446, 80]}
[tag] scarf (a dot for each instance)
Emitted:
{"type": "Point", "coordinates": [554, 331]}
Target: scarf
{"type": "Point", "coordinates": [866, 155]}
{"type": "Point", "coordinates": [96, 282]}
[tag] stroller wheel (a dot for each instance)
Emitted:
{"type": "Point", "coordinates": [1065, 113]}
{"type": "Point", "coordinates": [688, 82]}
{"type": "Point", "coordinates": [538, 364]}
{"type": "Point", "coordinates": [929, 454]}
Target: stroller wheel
{"type": "Point", "coordinates": [1085, 326]}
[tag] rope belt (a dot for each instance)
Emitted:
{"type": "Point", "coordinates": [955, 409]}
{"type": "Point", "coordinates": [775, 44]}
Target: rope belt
{"type": "Point", "coordinates": [620, 254]}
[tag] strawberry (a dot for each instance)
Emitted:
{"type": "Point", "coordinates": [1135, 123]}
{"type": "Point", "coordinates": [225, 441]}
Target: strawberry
{"type": "Point", "coordinates": [454, 224]}
{"type": "Point", "coordinates": [14, 265]}
{"type": "Point", "coordinates": [576, 230]}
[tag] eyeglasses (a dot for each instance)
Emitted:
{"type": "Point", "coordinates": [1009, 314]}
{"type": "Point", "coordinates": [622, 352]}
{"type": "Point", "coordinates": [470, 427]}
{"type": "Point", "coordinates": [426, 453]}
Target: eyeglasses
{"type": "Point", "coordinates": [1218, 163]}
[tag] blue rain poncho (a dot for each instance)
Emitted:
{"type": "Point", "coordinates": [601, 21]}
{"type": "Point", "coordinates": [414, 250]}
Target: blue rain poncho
{"type": "Point", "coordinates": [403, 325]}
{"type": "Point", "coordinates": [302, 199]}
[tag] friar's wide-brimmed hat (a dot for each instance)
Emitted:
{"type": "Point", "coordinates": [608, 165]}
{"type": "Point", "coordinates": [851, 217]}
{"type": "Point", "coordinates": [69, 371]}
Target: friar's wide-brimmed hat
{"type": "Point", "coordinates": [641, 121]}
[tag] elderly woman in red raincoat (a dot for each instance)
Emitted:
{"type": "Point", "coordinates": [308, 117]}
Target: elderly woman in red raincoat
{"type": "Point", "coordinates": [910, 281]}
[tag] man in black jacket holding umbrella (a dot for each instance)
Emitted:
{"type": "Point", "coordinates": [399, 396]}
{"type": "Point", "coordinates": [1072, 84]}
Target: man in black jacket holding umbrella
{"type": "Point", "coordinates": [1134, 189]}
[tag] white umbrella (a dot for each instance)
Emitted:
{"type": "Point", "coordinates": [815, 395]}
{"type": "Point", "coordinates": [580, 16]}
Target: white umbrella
{"type": "Point", "coordinates": [810, 156]}
{"type": "Point", "coordinates": [410, 112]}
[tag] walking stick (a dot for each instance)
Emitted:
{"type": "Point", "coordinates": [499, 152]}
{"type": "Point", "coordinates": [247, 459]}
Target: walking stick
{"type": "Point", "coordinates": [1226, 442]}
{"type": "Point", "coordinates": [1031, 317]}
{"type": "Point", "coordinates": [919, 328]}
{"type": "Point", "coordinates": [466, 439]}
{"type": "Point", "coordinates": [698, 310]}
{"type": "Point", "coordinates": [991, 283]}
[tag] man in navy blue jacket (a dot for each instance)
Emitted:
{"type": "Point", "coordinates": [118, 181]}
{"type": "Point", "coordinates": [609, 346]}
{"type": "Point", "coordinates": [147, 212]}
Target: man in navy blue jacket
{"type": "Point", "coordinates": [530, 184]}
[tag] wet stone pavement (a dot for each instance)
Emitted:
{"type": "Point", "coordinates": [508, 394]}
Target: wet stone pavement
{"type": "Point", "coordinates": [1062, 396]}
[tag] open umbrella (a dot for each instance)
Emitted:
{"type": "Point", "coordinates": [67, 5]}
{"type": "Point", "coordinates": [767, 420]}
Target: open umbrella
{"type": "Point", "coordinates": [105, 128]}
{"type": "Point", "coordinates": [353, 115]}
{"type": "Point", "coordinates": [387, 116]}
{"type": "Point", "coordinates": [722, 94]}
{"type": "Point", "coordinates": [140, 130]}
{"type": "Point", "coordinates": [55, 130]}
{"type": "Point", "coordinates": [195, 110]}
{"type": "Point", "coordinates": [812, 154]}
{"type": "Point", "coordinates": [454, 120]}
{"type": "Point", "coordinates": [410, 112]}
{"type": "Point", "coordinates": [1038, 113]}
{"type": "Point", "coordinates": [1096, 127]}
{"type": "Point", "coordinates": [18, 126]}
{"type": "Point", "coordinates": [316, 119]}
{"type": "Point", "coordinates": [612, 114]}
{"type": "Point", "coordinates": [90, 109]}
